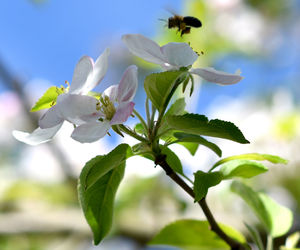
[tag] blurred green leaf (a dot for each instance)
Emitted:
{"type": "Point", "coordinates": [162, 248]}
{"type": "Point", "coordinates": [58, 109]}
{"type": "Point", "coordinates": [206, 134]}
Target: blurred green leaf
{"type": "Point", "coordinates": [203, 181]}
{"type": "Point", "coordinates": [48, 99]}
{"type": "Point", "coordinates": [255, 237]}
{"type": "Point", "coordinates": [172, 159]}
{"type": "Point", "coordinates": [276, 219]}
{"type": "Point", "coordinates": [194, 235]}
{"type": "Point", "coordinates": [291, 241]}
{"type": "Point", "coordinates": [158, 86]}
{"type": "Point", "coordinates": [199, 125]}
{"type": "Point", "coordinates": [253, 156]}
{"type": "Point", "coordinates": [98, 183]}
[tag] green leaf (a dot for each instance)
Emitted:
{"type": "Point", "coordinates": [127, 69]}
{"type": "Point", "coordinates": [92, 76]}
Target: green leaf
{"type": "Point", "coordinates": [255, 236]}
{"type": "Point", "coordinates": [194, 235]}
{"type": "Point", "coordinates": [191, 147]}
{"type": "Point", "coordinates": [139, 128]}
{"type": "Point", "coordinates": [184, 137]}
{"type": "Point", "coordinates": [199, 125]}
{"type": "Point", "coordinates": [159, 86]}
{"type": "Point", "coordinates": [203, 181]}
{"type": "Point", "coordinates": [98, 183]}
{"type": "Point", "coordinates": [172, 160]}
{"type": "Point", "coordinates": [276, 219]}
{"type": "Point", "coordinates": [253, 156]}
{"type": "Point", "coordinates": [292, 241]}
{"type": "Point", "coordinates": [48, 99]}
{"type": "Point", "coordinates": [242, 168]}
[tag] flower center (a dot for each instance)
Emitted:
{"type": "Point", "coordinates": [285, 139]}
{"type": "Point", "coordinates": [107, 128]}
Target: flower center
{"type": "Point", "coordinates": [106, 106]}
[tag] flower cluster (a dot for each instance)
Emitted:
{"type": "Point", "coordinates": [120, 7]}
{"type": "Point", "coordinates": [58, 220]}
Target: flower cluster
{"type": "Point", "coordinates": [92, 117]}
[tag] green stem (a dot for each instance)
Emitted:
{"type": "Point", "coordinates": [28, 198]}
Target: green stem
{"type": "Point", "coordinates": [147, 111]}
{"type": "Point", "coordinates": [132, 133]}
{"type": "Point", "coordinates": [141, 119]}
{"type": "Point", "coordinates": [269, 243]}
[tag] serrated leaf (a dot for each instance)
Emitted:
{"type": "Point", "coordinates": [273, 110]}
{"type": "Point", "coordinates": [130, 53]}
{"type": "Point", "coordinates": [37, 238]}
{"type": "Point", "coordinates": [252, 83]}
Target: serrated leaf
{"type": "Point", "coordinates": [199, 125]}
{"type": "Point", "coordinates": [253, 156]}
{"type": "Point", "coordinates": [48, 99]}
{"type": "Point", "coordinates": [194, 235]}
{"type": "Point", "coordinates": [184, 137]}
{"type": "Point", "coordinates": [203, 181]}
{"type": "Point", "coordinates": [98, 183]}
{"type": "Point", "coordinates": [158, 86]}
{"type": "Point", "coordinates": [276, 218]}
{"type": "Point", "coordinates": [242, 168]}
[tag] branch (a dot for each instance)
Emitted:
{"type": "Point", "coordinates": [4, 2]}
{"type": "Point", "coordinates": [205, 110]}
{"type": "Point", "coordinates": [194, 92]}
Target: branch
{"type": "Point", "coordinates": [235, 245]}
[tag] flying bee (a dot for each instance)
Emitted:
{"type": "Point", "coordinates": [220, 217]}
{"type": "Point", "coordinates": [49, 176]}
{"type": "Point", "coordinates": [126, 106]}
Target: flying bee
{"type": "Point", "coordinates": [183, 23]}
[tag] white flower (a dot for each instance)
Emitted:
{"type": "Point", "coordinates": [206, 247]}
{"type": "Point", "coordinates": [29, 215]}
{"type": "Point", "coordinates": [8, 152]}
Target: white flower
{"type": "Point", "coordinates": [173, 56]}
{"type": "Point", "coordinates": [74, 106]}
{"type": "Point", "coordinates": [109, 114]}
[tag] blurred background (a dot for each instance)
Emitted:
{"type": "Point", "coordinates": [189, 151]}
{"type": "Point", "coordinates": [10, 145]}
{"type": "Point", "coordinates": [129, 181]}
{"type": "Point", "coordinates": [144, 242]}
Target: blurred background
{"type": "Point", "coordinates": [40, 43]}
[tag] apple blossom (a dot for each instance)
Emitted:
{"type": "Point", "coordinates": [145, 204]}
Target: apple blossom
{"type": "Point", "coordinates": [73, 106]}
{"type": "Point", "coordinates": [109, 114]}
{"type": "Point", "coordinates": [174, 56]}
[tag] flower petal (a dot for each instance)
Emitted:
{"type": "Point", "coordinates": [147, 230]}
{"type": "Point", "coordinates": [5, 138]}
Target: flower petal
{"type": "Point", "coordinates": [220, 77]}
{"type": "Point", "coordinates": [74, 108]}
{"type": "Point", "coordinates": [111, 92]}
{"type": "Point", "coordinates": [51, 118]}
{"type": "Point", "coordinates": [99, 71]}
{"type": "Point", "coordinates": [128, 85]}
{"type": "Point", "coordinates": [37, 136]}
{"type": "Point", "coordinates": [144, 48]}
{"type": "Point", "coordinates": [82, 72]}
{"type": "Point", "coordinates": [90, 132]}
{"type": "Point", "coordinates": [179, 54]}
{"type": "Point", "coordinates": [123, 111]}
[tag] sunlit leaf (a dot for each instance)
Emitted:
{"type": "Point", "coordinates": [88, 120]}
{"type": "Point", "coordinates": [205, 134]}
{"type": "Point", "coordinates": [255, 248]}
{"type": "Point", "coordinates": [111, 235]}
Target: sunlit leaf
{"type": "Point", "coordinates": [199, 125]}
{"type": "Point", "coordinates": [253, 156]}
{"type": "Point", "coordinates": [276, 218]}
{"type": "Point", "coordinates": [203, 181]}
{"type": "Point", "coordinates": [158, 86]}
{"type": "Point", "coordinates": [194, 235]}
{"type": "Point", "coordinates": [98, 183]}
{"type": "Point", "coordinates": [48, 99]}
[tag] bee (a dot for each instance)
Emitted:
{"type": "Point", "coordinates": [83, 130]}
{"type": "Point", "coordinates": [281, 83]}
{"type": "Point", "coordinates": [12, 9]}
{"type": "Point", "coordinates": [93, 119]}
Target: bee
{"type": "Point", "coordinates": [183, 23]}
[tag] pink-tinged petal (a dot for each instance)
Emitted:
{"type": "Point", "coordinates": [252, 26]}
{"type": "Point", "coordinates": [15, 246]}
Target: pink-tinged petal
{"type": "Point", "coordinates": [111, 92]}
{"type": "Point", "coordinates": [144, 48]}
{"type": "Point", "coordinates": [128, 85]}
{"type": "Point", "coordinates": [90, 132]}
{"type": "Point", "coordinates": [37, 136]}
{"type": "Point", "coordinates": [82, 72]}
{"type": "Point", "coordinates": [179, 54]}
{"type": "Point", "coordinates": [74, 107]}
{"type": "Point", "coordinates": [124, 110]}
{"type": "Point", "coordinates": [220, 77]}
{"type": "Point", "coordinates": [51, 118]}
{"type": "Point", "coordinates": [99, 71]}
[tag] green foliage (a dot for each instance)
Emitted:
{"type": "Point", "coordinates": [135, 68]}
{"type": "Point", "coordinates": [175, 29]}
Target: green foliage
{"type": "Point", "coordinates": [292, 242]}
{"type": "Point", "coordinates": [199, 125]}
{"type": "Point", "coordinates": [98, 183]}
{"type": "Point", "coordinates": [194, 234]}
{"type": "Point", "coordinates": [159, 86]}
{"type": "Point", "coordinates": [253, 156]}
{"type": "Point", "coordinates": [231, 169]}
{"type": "Point", "coordinates": [172, 159]}
{"type": "Point", "coordinates": [254, 234]}
{"type": "Point", "coordinates": [276, 219]}
{"type": "Point", "coordinates": [196, 139]}
{"type": "Point", "coordinates": [48, 99]}
{"type": "Point", "coordinates": [203, 181]}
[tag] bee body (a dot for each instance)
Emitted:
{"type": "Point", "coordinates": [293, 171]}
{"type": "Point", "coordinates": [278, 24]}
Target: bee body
{"type": "Point", "coordinates": [183, 23]}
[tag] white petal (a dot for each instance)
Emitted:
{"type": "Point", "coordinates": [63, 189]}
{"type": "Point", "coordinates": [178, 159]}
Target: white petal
{"type": "Point", "coordinates": [51, 118]}
{"type": "Point", "coordinates": [123, 112]}
{"type": "Point", "coordinates": [128, 85]}
{"type": "Point", "coordinates": [75, 107]}
{"type": "Point", "coordinates": [220, 77]}
{"type": "Point", "coordinates": [99, 71]}
{"type": "Point", "coordinates": [82, 72]}
{"type": "Point", "coordinates": [144, 48]}
{"type": "Point", "coordinates": [111, 92]}
{"type": "Point", "coordinates": [90, 132]}
{"type": "Point", "coordinates": [37, 136]}
{"type": "Point", "coordinates": [179, 54]}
